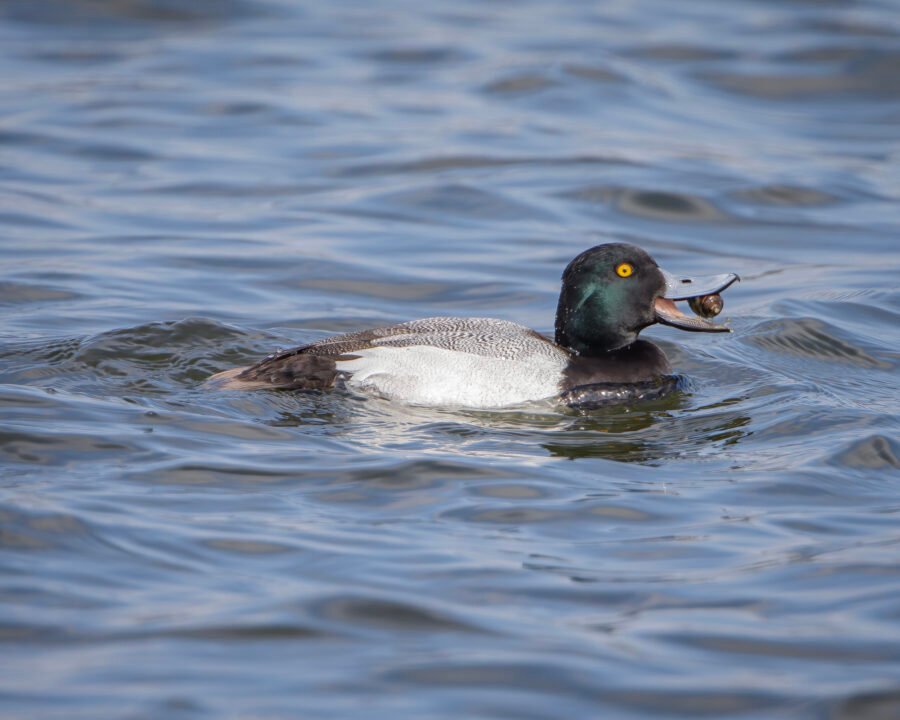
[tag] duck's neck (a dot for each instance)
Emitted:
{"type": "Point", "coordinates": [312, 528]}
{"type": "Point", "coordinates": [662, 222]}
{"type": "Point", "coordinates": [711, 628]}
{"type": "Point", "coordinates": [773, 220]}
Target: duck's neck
{"type": "Point", "coordinates": [639, 362]}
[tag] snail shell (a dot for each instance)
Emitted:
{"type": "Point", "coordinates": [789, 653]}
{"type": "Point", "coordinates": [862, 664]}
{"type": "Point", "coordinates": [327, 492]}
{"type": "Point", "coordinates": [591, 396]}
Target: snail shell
{"type": "Point", "coordinates": [707, 306]}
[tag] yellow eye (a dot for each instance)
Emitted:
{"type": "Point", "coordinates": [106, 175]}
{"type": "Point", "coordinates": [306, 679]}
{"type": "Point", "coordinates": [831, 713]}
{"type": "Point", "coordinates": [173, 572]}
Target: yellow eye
{"type": "Point", "coordinates": [624, 270]}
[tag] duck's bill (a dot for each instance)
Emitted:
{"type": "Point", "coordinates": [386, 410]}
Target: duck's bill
{"type": "Point", "coordinates": [668, 313]}
{"type": "Point", "coordinates": [683, 288]}
{"type": "Point", "coordinates": [677, 288]}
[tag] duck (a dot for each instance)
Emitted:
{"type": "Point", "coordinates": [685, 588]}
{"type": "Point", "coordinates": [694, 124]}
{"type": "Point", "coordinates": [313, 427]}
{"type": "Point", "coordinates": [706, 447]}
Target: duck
{"type": "Point", "coordinates": [609, 294]}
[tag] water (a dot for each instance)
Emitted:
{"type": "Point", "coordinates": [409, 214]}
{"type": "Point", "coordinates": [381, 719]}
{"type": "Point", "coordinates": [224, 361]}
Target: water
{"type": "Point", "coordinates": [185, 187]}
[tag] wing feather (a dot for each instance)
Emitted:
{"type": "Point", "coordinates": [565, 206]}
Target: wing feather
{"type": "Point", "coordinates": [485, 337]}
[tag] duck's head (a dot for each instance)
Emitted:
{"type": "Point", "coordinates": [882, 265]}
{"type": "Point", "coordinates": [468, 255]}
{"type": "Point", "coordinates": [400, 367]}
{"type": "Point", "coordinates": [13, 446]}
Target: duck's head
{"type": "Point", "coordinates": [612, 292]}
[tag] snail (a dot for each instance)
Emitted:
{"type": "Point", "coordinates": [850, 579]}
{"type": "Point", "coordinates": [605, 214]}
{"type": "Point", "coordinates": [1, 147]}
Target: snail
{"type": "Point", "coordinates": [707, 306]}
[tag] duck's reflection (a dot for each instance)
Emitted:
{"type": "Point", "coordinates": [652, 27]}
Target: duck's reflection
{"type": "Point", "coordinates": [664, 426]}
{"type": "Point", "coordinates": [649, 432]}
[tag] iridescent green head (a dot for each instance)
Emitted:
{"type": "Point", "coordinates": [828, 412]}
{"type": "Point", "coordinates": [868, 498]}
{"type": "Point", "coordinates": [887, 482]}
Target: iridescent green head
{"type": "Point", "coordinates": [607, 298]}
{"type": "Point", "coordinates": [612, 292]}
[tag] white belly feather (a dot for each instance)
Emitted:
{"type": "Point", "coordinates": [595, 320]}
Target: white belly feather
{"type": "Point", "coordinates": [427, 375]}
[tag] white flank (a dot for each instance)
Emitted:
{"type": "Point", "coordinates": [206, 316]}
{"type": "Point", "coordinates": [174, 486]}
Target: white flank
{"type": "Point", "coordinates": [426, 375]}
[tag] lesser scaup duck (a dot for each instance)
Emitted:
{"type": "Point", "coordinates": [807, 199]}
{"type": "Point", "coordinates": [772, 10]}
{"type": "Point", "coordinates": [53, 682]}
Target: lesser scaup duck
{"type": "Point", "coordinates": [609, 294]}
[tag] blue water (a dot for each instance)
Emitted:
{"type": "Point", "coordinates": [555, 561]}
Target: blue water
{"type": "Point", "coordinates": [185, 187]}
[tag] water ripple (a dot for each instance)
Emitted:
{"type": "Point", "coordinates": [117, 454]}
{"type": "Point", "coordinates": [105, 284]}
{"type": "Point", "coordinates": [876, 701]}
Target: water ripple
{"type": "Point", "coordinates": [185, 187]}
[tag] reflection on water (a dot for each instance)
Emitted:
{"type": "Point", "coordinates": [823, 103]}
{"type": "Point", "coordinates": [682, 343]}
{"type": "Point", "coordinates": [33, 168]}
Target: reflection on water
{"type": "Point", "coordinates": [185, 187]}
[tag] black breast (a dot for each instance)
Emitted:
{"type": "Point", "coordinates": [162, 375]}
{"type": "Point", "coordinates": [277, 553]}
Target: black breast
{"type": "Point", "coordinates": [637, 372]}
{"type": "Point", "coordinates": [639, 362]}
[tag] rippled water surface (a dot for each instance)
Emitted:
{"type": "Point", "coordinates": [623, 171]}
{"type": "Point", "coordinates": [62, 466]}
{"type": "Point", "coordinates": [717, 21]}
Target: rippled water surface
{"type": "Point", "coordinates": [185, 187]}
